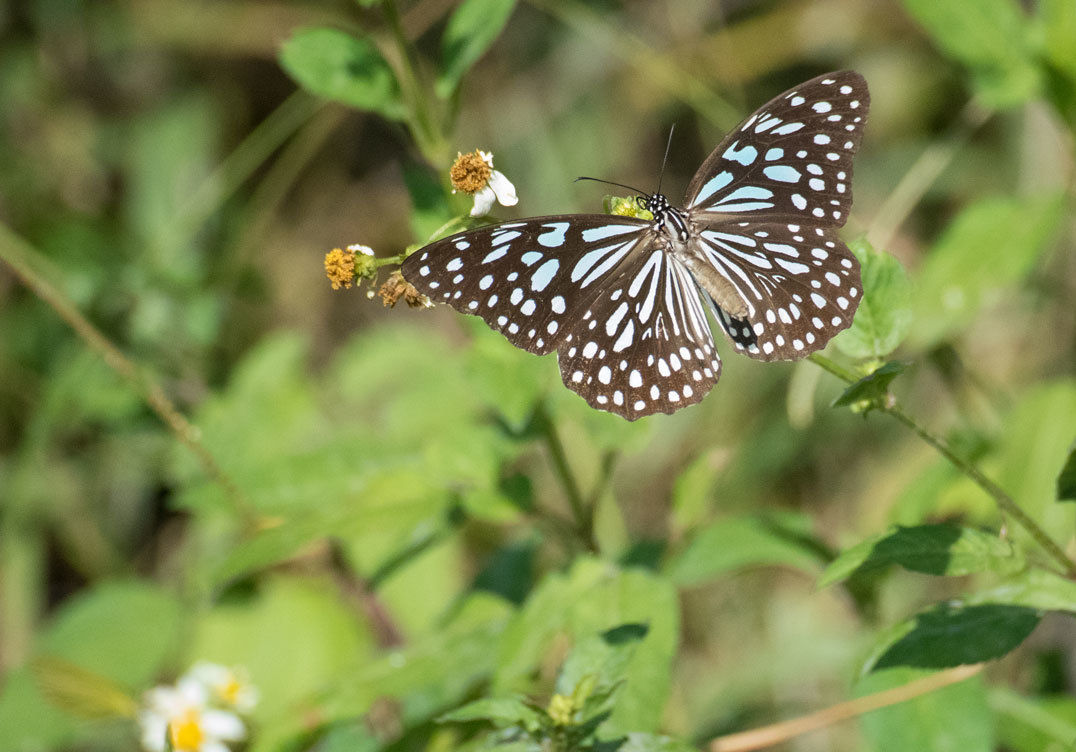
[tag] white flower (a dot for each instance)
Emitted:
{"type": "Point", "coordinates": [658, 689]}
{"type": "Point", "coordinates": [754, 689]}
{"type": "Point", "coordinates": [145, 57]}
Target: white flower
{"type": "Point", "coordinates": [230, 687]}
{"type": "Point", "coordinates": [473, 173]}
{"type": "Point", "coordinates": [180, 716]}
{"type": "Point", "coordinates": [357, 248]}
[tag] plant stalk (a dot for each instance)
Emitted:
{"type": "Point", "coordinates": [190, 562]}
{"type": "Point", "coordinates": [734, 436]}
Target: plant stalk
{"type": "Point", "coordinates": [1005, 503]}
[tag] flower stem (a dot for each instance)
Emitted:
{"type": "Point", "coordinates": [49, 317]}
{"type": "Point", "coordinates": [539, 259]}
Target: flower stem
{"type": "Point", "coordinates": [1005, 503]}
{"type": "Point", "coordinates": [427, 135]}
{"type": "Point", "coordinates": [14, 251]}
{"type": "Point", "coordinates": [581, 511]}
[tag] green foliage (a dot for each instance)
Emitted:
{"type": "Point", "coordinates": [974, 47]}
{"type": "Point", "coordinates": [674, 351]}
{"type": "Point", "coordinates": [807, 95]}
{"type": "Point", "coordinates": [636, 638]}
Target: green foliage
{"type": "Point", "coordinates": [871, 391]}
{"type": "Point", "coordinates": [954, 634]}
{"type": "Point", "coordinates": [731, 544]}
{"type": "Point", "coordinates": [884, 315]}
{"type": "Point", "coordinates": [990, 38]}
{"type": "Point", "coordinates": [955, 717]}
{"type": "Point", "coordinates": [987, 249]}
{"type": "Point", "coordinates": [473, 26]}
{"type": "Point", "coordinates": [1066, 479]}
{"type": "Point", "coordinates": [337, 66]}
{"type": "Point", "coordinates": [943, 550]}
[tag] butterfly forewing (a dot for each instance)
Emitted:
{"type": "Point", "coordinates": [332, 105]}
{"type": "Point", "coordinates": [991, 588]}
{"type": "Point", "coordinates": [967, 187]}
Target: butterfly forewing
{"type": "Point", "coordinates": [789, 161]}
{"type": "Point", "coordinates": [600, 289]}
{"type": "Point", "coordinates": [801, 285]}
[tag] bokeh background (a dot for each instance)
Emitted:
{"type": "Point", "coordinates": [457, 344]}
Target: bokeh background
{"type": "Point", "coordinates": [399, 480]}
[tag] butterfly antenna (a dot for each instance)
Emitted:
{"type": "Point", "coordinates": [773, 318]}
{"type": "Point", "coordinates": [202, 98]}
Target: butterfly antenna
{"type": "Point", "coordinates": [666, 157]}
{"type": "Point", "coordinates": [619, 185]}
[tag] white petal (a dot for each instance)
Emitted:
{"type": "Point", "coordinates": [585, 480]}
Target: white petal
{"type": "Point", "coordinates": [212, 745]}
{"type": "Point", "coordinates": [193, 692]}
{"type": "Point", "coordinates": [503, 188]}
{"type": "Point", "coordinates": [219, 672]}
{"type": "Point", "coordinates": [165, 701]}
{"type": "Point", "coordinates": [483, 202]}
{"type": "Point", "coordinates": [247, 698]}
{"type": "Point", "coordinates": [154, 729]}
{"type": "Point", "coordinates": [487, 157]}
{"type": "Point", "coordinates": [222, 725]}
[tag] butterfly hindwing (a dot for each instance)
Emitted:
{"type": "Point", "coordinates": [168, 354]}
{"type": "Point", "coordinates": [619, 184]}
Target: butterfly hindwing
{"type": "Point", "coordinates": [789, 161]}
{"type": "Point", "coordinates": [801, 285]}
{"type": "Point", "coordinates": [644, 345]}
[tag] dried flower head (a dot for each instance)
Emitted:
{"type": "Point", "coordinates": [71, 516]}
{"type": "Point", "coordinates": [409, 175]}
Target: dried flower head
{"type": "Point", "coordinates": [397, 287]}
{"type": "Point", "coordinates": [473, 173]}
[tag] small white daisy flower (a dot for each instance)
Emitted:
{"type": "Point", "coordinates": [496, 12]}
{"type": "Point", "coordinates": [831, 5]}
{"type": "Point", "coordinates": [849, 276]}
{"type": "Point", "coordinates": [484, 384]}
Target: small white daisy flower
{"type": "Point", "coordinates": [179, 718]}
{"type": "Point", "coordinates": [473, 173]}
{"type": "Point", "coordinates": [229, 687]}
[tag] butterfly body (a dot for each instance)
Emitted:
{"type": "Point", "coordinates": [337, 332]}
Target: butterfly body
{"type": "Point", "coordinates": [621, 299]}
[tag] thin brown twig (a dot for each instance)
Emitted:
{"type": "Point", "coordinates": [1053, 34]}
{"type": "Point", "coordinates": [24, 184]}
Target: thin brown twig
{"type": "Point", "coordinates": [13, 251]}
{"type": "Point", "coordinates": [776, 733]}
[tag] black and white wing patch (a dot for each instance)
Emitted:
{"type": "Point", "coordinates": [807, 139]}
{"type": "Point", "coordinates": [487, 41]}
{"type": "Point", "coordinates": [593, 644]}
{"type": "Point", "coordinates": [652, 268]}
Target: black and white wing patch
{"type": "Point", "coordinates": [624, 315]}
{"type": "Point", "coordinates": [789, 161]}
{"type": "Point", "coordinates": [801, 286]}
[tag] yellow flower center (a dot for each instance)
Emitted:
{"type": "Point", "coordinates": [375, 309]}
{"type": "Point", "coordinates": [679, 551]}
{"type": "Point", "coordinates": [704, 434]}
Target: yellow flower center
{"type": "Point", "coordinates": [229, 690]}
{"type": "Point", "coordinates": [340, 268]}
{"type": "Point", "coordinates": [470, 173]}
{"type": "Point", "coordinates": [186, 732]}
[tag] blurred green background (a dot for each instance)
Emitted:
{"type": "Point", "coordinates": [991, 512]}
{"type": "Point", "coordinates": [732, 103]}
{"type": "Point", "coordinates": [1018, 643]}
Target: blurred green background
{"type": "Point", "coordinates": [397, 535]}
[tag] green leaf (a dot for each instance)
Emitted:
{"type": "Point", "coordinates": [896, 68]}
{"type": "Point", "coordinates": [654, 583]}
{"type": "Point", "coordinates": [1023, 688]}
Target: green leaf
{"type": "Point", "coordinates": [636, 742]}
{"type": "Point", "coordinates": [1033, 724]}
{"type": "Point", "coordinates": [738, 542]}
{"type": "Point", "coordinates": [989, 247]}
{"type": "Point", "coordinates": [1066, 481]}
{"type": "Point", "coordinates": [931, 549]}
{"type": "Point", "coordinates": [592, 597]}
{"type": "Point", "coordinates": [429, 205]}
{"type": "Point", "coordinates": [871, 390]}
{"type": "Point", "coordinates": [990, 38]}
{"type": "Point", "coordinates": [254, 632]}
{"type": "Point", "coordinates": [954, 634]}
{"type": "Point", "coordinates": [884, 315]}
{"type": "Point", "coordinates": [471, 30]}
{"type": "Point", "coordinates": [441, 666]}
{"type": "Point", "coordinates": [955, 717]}
{"type": "Point", "coordinates": [604, 657]}
{"type": "Point", "coordinates": [500, 711]}
{"type": "Point", "coordinates": [1037, 588]}
{"type": "Point", "coordinates": [125, 631]}
{"type": "Point", "coordinates": [337, 66]}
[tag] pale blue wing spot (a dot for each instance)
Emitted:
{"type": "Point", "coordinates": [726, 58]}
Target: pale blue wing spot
{"type": "Point", "coordinates": [765, 125]}
{"type": "Point", "coordinates": [555, 237]}
{"type": "Point", "coordinates": [505, 238]}
{"type": "Point", "coordinates": [782, 173]}
{"type": "Point", "coordinates": [745, 155]}
{"type": "Point", "coordinates": [530, 257]}
{"type": "Point", "coordinates": [774, 153]}
{"type": "Point", "coordinates": [607, 231]}
{"type": "Point", "coordinates": [494, 255]}
{"type": "Point", "coordinates": [544, 274]}
{"type": "Point", "coordinates": [755, 192]}
{"type": "Point", "coordinates": [747, 206]}
{"type": "Point", "coordinates": [788, 128]}
{"type": "Point", "coordinates": [713, 185]}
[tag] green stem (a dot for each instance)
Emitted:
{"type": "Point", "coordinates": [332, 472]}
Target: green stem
{"type": "Point", "coordinates": [427, 135]}
{"type": "Point", "coordinates": [1005, 502]}
{"type": "Point", "coordinates": [14, 251]}
{"type": "Point", "coordinates": [581, 511]}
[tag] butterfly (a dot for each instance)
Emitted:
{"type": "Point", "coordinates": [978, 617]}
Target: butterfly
{"type": "Point", "coordinates": [622, 299]}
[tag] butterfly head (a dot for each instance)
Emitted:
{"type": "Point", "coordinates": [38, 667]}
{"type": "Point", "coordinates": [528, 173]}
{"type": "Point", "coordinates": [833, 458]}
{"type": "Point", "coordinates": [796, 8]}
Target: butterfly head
{"type": "Point", "coordinates": [667, 218]}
